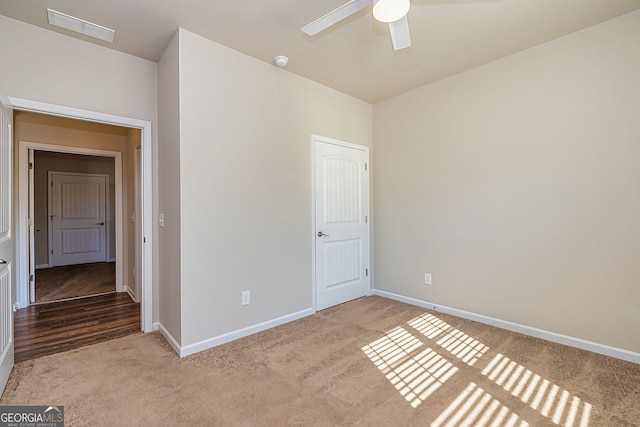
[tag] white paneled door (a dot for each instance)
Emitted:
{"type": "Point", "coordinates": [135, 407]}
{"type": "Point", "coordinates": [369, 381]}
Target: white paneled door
{"type": "Point", "coordinates": [77, 218]}
{"type": "Point", "coordinates": [341, 221]}
{"type": "Point", "coordinates": [7, 251]}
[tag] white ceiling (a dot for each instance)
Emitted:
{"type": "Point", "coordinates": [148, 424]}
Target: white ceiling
{"type": "Point", "coordinates": [354, 56]}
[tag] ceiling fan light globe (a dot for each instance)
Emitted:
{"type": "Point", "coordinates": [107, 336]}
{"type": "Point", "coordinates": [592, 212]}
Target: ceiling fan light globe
{"type": "Point", "coordinates": [390, 10]}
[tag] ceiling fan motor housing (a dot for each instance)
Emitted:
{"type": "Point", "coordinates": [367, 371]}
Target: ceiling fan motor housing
{"type": "Point", "coordinates": [390, 10]}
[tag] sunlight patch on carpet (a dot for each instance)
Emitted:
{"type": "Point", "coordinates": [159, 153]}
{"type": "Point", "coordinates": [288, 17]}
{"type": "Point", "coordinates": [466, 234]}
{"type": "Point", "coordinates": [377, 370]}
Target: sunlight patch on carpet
{"type": "Point", "coordinates": [474, 407]}
{"type": "Point", "coordinates": [540, 394]}
{"type": "Point", "coordinates": [456, 342]}
{"type": "Point", "coordinates": [417, 372]}
{"type": "Point", "coordinates": [415, 377]}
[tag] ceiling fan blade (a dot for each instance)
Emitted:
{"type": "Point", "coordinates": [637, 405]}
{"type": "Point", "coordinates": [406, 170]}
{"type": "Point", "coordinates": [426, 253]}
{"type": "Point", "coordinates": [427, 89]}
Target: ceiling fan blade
{"type": "Point", "coordinates": [449, 2]}
{"type": "Point", "coordinates": [400, 33]}
{"type": "Point", "coordinates": [335, 16]}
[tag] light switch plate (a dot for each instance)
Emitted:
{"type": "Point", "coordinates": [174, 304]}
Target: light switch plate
{"type": "Point", "coordinates": [246, 297]}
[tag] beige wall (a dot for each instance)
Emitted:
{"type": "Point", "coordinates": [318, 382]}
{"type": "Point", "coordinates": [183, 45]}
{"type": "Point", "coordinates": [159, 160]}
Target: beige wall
{"type": "Point", "coordinates": [45, 66]}
{"type": "Point", "coordinates": [32, 127]}
{"type": "Point", "coordinates": [516, 185]}
{"type": "Point", "coordinates": [50, 67]}
{"type": "Point", "coordinates": [245, 184]}
{"type": "Point", "coordinates": [169, 183]}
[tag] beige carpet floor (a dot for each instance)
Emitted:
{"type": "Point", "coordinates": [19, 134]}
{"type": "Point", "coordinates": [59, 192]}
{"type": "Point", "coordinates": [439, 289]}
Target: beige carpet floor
{"type": "Point", "coordinates": [73, 281]}
{"type": "Point", "coordinates": [369, 362]}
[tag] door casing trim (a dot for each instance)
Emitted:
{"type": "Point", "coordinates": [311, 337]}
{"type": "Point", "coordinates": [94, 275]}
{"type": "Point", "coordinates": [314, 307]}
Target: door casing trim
{"type": "Point", "coordinates": [146, 318]}
{"type": "Point", "coordinates": [22, 272]}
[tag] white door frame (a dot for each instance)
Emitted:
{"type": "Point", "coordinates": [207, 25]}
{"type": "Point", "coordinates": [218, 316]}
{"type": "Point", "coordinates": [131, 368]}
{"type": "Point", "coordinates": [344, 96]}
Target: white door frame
{"type": "Point", "coordinates": [31, 228]}
{"type": "Point", "coordinates": [22, 289]}
{"type": "Point", "coordinates": [146, 317]}
{"type": "Point", "coordinates": [314, 139]}
{"type": "Point", "coordinates": [137, 221]}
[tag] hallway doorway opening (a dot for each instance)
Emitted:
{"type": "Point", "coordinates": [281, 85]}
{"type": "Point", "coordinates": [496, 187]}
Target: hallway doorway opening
{"type": "Point", "coordinates": [133, 205]}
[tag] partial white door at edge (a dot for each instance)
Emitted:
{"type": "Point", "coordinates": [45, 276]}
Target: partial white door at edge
{"type": "Point", "coordinates": [77, 218]}
{"type": "Point", "coordinates": [342, 228]}
{"type": "Point", "coordinates": [7, 251]}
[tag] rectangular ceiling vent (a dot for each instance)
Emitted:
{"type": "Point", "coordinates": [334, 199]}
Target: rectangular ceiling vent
{"type": "Point", "coordinates": [80, 26]}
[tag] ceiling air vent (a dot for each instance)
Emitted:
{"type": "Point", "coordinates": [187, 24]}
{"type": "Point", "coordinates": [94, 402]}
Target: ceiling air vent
{"type": "Point", "coordinates": [80, 26]}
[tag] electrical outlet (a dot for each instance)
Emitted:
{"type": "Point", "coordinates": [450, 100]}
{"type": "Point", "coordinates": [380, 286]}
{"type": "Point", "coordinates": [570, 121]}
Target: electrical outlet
{"type": "Point", "coordinates": [246, 297]}
{"type": "Point", "coordinates": [427, 278]}
{"type": "Point", "coordinates": [161, 220]}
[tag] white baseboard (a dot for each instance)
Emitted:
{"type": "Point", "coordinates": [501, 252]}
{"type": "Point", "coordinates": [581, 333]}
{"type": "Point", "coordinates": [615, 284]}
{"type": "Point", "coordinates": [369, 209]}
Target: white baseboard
{"type": "Point", "coordinates": [618, 353]}
{"type": "Point", "coordinates": [241, 333]}
{"type": "Point", "coordinates": [155, 326]}
{"type": "Point", "coordinates": [131, 294]}
{"type": "Point", "coordinates": [172, 341]}
{"type": "Point", "coordinates": [40, 266]}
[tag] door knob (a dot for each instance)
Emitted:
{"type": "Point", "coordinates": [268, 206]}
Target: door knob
{"type": "Point", "coordinates": [99, 223]}
{"type": "Point", "coordinates": [2, 261]}
{"type": "Point", "coordinates": [321, 234]}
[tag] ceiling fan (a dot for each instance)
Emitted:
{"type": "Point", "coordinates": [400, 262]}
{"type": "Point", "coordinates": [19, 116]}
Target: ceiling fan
{"type": "Point", "coordinates": [393, 12]}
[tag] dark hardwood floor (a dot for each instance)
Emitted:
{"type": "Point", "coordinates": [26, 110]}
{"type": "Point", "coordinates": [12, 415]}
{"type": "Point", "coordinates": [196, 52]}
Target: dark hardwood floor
{"type": "Point", "coordinates": [73, 281]}
{"type": "Point", "coordinates": [52, 328]}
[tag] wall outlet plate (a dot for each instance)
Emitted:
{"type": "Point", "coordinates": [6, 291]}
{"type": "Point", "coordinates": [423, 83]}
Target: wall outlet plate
{"type": "Point", "coordinates": [246, 297]}
{"type": "Point", "coordinates": [427, 278]}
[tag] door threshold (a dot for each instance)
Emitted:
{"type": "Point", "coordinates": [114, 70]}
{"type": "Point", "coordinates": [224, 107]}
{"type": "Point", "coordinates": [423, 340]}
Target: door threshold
{"type": "Point", "coordinates": [73, 298]}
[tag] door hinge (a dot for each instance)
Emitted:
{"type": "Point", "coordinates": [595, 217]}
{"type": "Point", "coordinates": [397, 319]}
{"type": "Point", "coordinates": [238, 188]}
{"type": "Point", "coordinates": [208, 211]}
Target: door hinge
{"type": "Point", "coordinates": [51, 251]}
{"type": "Point", "coordinates": [366, 271]}
{"type": "Point", "coordinates": [366, 219]}
{"type": "Point", "coordinates": [365, 166]}
{"type": "Point", "coordinates": [30, 165]}
{"type": "Point", "coordinates": [30, 222]}
{"type": "Point", "coordinates": [31, 277]}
